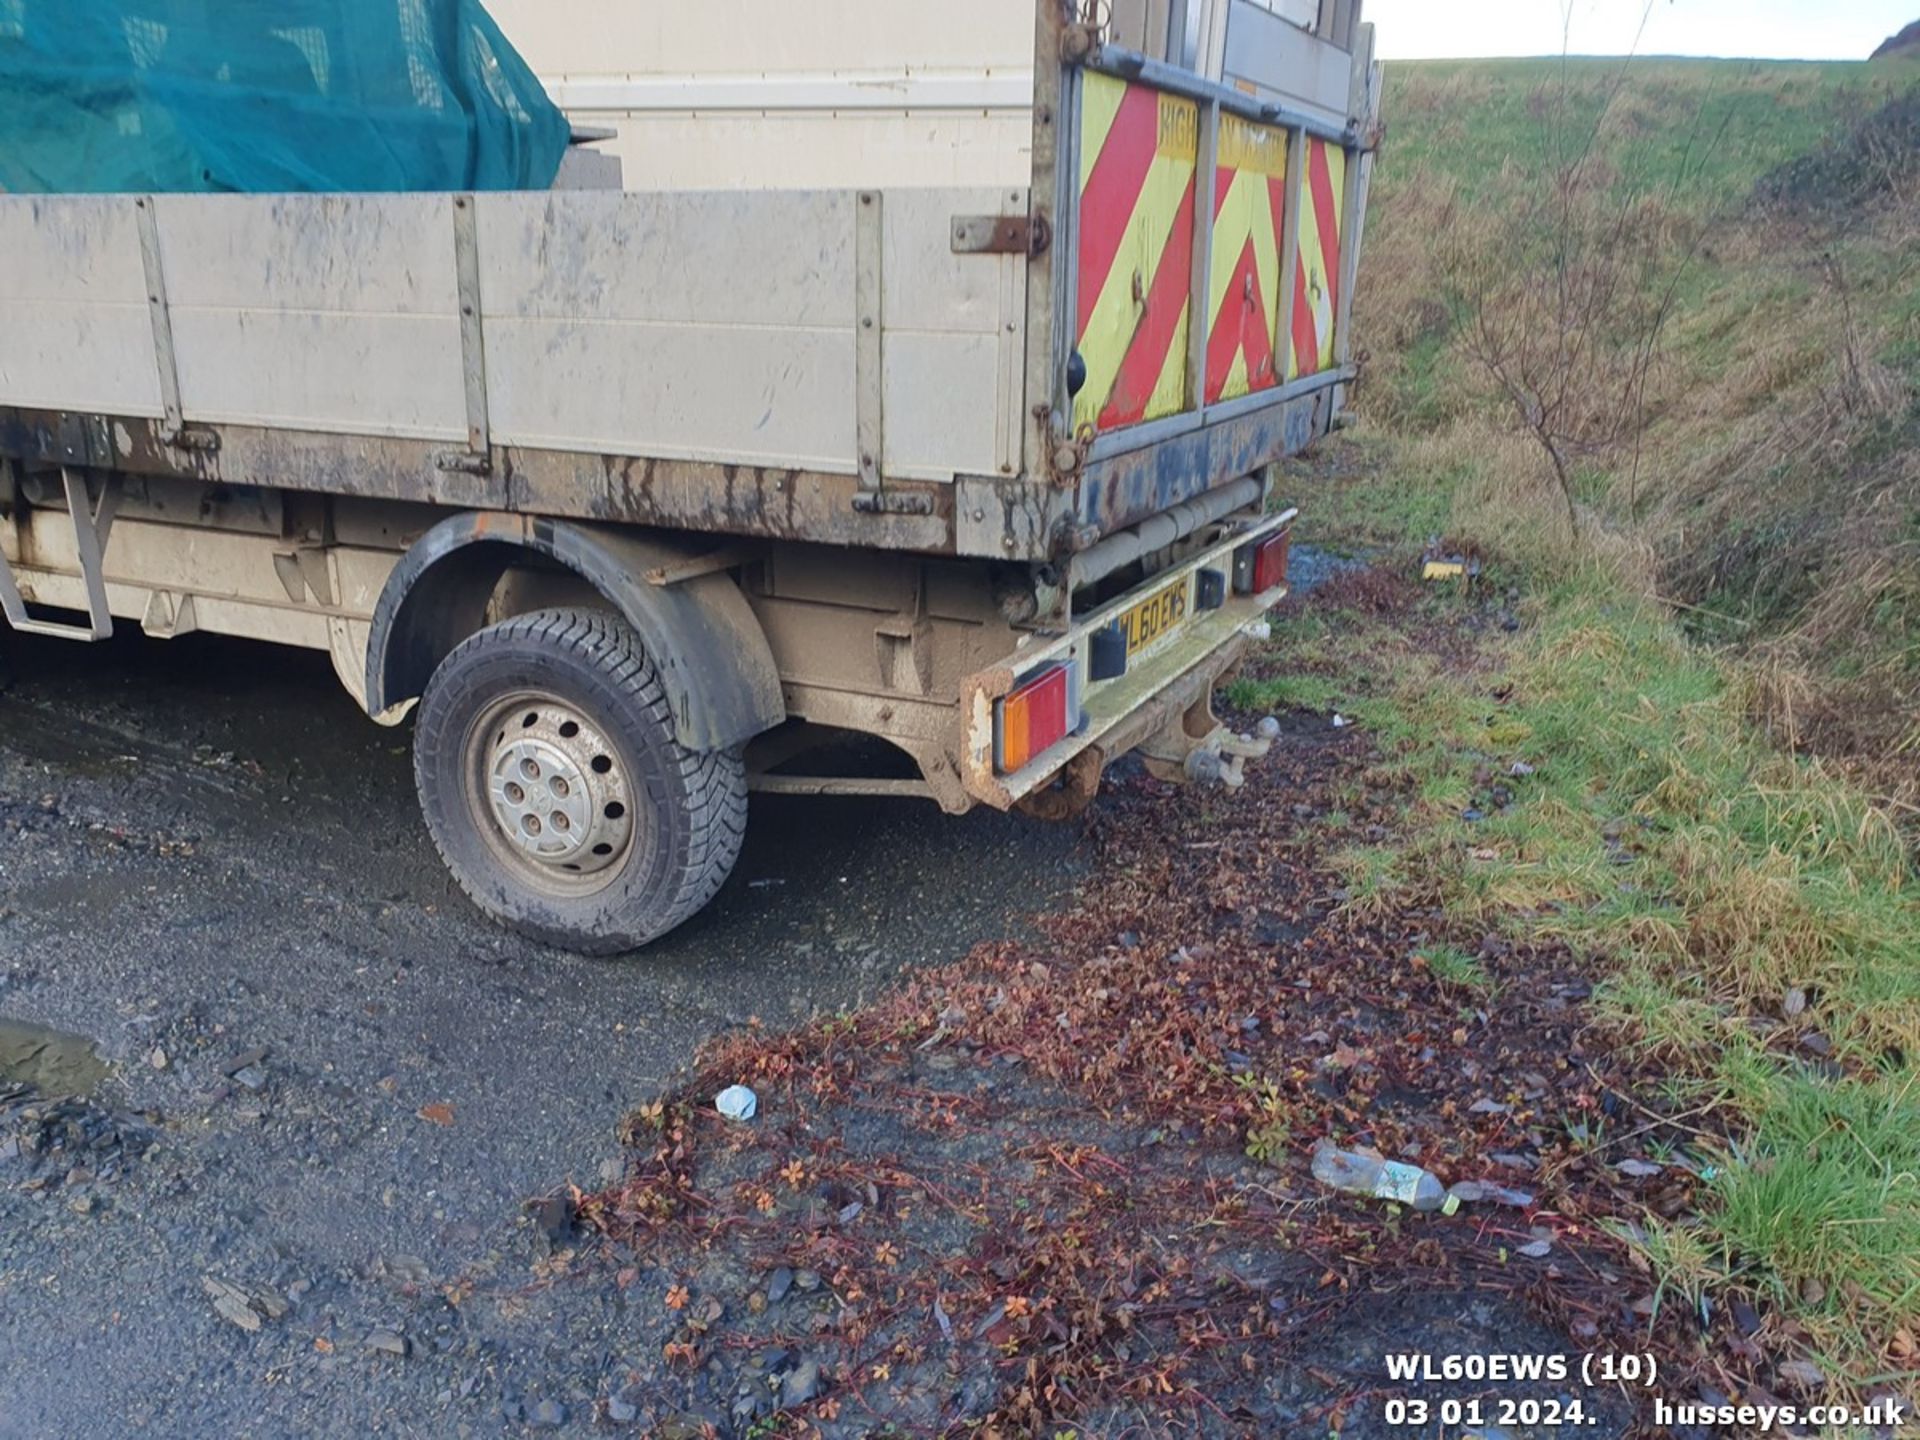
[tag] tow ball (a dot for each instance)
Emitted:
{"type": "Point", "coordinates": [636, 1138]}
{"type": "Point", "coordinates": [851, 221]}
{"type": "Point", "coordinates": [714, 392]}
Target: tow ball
{"type": "Point", "coordinates": [1197, 748]}
{"type": "Point", "coordinates": [1223, 759]}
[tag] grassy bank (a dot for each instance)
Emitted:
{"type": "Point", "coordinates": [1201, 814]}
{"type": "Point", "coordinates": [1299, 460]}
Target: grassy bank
{"type": "Point", "coordinates": [1594, 782]}
{"type": "Point", "coordinates": [1694, 763]}
{"type": "Point", "coordinates": [1759, 227]}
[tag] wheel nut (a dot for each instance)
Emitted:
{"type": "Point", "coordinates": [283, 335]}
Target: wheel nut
{"type": "Point", "coordinates": [530, 824]}
{"type": "Point", "coordinates": [529, 769]}
{"type": "Point", "coordinates": [559, 820]}
{"type": "Point", "coordinates": [558, 784]}
{"type": "Point", "coordinates": [515, 793]}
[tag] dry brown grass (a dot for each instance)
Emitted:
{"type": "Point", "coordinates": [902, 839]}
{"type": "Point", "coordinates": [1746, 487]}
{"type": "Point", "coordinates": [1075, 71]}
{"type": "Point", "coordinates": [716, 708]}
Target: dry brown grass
{"type": "Point", "coordinates": [1771, 494]}
{"type": "Point", "coordinates": [1756, 901]}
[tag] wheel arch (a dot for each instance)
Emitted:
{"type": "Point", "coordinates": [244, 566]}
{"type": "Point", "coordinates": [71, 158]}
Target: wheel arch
{"type": "Point", "coordinates": [702, 636]}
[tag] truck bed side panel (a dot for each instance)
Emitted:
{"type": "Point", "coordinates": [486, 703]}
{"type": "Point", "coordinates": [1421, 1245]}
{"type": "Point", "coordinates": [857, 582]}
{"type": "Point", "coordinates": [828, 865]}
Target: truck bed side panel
{"type": "Point", "coordinates": [315, 312]}
{"type": "Point", "coordinates": [713, 327]}
{"type": "Point", "coordinates": [74, 328]}
{"type": "Point", "coordinates": [720, 326]}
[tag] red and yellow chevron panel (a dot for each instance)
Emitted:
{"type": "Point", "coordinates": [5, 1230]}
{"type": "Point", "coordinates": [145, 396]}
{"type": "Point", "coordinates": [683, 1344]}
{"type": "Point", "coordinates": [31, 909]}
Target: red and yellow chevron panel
{"type": "Point", "coordinates": [1137, 157]}
{"type": "Point", "coordinates": [1316, 278]}
{"type": "Point", "coordinates": [1249, 221]}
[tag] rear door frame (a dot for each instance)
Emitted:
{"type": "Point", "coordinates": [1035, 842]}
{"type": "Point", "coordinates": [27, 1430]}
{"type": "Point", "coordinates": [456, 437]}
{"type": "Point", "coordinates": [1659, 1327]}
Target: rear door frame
{"type": "Point", "coordinates": [1115, 479]}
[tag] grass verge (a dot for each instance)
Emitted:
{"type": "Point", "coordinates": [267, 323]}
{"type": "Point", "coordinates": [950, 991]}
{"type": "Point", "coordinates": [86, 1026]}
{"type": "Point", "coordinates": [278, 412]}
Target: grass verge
{"type": "Point", "coordinates": [1756, 917]}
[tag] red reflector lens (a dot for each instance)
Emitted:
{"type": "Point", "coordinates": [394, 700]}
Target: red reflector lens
{"type": "Point", "coordinates": [1261, 566]}
{"type": "Point", "coordinates": [1038, 713]}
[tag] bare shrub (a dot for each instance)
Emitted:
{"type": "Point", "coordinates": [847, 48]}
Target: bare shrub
{"type": "Point", "coordinates": [1562, 309]}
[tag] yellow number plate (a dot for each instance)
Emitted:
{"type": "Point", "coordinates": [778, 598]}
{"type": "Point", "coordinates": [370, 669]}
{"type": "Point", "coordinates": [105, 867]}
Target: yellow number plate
{"type": "Point", "coordinates": [1159, 614]}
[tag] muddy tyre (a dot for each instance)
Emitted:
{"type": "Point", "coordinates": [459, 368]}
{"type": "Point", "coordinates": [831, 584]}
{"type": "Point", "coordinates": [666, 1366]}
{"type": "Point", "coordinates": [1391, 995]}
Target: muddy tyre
{"type": "Point", "coordinates": [555, 791]}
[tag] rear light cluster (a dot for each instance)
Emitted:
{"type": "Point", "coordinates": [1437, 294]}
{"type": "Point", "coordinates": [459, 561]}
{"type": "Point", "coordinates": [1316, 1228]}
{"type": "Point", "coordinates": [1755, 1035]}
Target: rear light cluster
{"type": "Point", "coordinates": [1261, 566]}
{"type": "Point", "coordinates": [1041, 711]}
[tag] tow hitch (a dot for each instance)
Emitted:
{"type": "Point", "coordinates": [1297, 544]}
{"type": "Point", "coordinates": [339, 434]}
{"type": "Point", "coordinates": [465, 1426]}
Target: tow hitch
{"type": "Point", "coordinates": [1197, 747]}
{"type": "Point", "coordinates": [1223, 759]}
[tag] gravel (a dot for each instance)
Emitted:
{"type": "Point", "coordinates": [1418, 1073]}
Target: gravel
{"type": "Point", "coordinates": [210, 853]}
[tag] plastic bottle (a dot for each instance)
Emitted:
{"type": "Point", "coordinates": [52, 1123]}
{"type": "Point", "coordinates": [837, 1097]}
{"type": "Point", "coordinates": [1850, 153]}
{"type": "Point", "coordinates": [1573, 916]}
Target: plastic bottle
{"type": "Point", "coordinates": [1380, 1179]}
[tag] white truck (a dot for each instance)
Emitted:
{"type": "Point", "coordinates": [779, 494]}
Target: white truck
{"type": "Point", "coordinates": [926, 386]}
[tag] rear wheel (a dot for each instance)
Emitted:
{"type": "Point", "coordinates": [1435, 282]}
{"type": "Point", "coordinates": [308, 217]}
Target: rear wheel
{"type": "Point", "coordinates": [555, 790]}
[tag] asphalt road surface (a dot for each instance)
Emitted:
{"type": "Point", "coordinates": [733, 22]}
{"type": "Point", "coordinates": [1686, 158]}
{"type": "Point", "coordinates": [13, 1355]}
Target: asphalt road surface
{"type": "Point", "coordinates": [211, 862]}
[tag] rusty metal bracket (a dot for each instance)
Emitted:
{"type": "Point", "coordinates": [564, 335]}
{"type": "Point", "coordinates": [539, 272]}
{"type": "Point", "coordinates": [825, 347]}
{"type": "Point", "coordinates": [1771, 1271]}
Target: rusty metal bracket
{"type": "Point", "coordinates": [1079, 784]}
{"type": "Point", "coordinates": [1068, 457]}
{"type": "Point", "coordinates": [726, 557]}
{"type": "Point", "coordinates": [1028, 235]}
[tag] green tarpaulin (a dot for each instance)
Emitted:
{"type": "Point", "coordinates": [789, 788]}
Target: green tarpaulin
{"type": "Point", "coordinates": [268, 95]}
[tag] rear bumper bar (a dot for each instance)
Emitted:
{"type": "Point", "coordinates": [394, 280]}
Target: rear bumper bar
{"type": "Point", "coordinates": [1120, 713]}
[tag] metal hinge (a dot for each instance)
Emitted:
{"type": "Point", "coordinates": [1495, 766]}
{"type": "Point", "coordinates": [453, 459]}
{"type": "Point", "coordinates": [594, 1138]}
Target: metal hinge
{"type": "Point", "coordinates": [192, 437]}
{"type": "Point", "coordinates": [893, 502]}
{"type": "Point", "coordinates": [1001, 234]}
{"type": "Point", "coordinates": [1080, 42]}
{"type": "Point", "coordinates": [465, 462]}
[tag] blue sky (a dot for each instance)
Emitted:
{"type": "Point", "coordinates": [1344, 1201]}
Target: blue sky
{"type": "Point", "coordinates": [1775, 29]}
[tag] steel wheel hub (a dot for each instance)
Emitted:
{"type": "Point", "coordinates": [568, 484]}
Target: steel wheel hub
{"type": "Point", "coordinates": [554, 786]}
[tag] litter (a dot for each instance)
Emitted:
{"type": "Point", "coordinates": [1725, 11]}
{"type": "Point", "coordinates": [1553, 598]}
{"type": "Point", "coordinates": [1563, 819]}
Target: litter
{"type": "Point", "coordinates": [737, 1102]}
{"type": "Point", "coordinates": [1381, 1179]}
{"type": "Point", "coordinates": [1475, 1192]}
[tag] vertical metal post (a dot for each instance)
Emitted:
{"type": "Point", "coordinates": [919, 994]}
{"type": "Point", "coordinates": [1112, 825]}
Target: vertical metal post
{"type": "Point", "coordinates": [1211, 61]}
{"type": "Point", "coordinates": [1184, 24]}
{"type": "Point", "coordinates": [1048, 275]}
{"type": "Point", "coordinates": [1362, 107]}
{"type": "Point", "coordinates": [157, 313]}
{"type": "Point", "coordinates": [1290, 253]}
{"type": "Point", "coordinates": [1066, 254]}
{"type": "Point", "coordinates": [1199, 306]}
{"type": "Point", "coordinates": [473, 348]}
{"type": "Point", "coordinates": [868, 354]}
